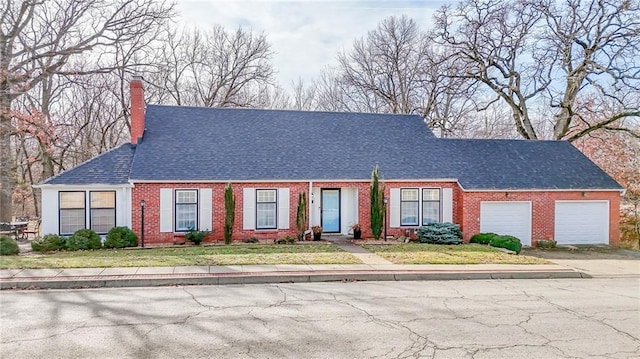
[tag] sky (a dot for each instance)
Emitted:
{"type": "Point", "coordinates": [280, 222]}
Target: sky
{"type": "Point", "coordinates": [305, 36]}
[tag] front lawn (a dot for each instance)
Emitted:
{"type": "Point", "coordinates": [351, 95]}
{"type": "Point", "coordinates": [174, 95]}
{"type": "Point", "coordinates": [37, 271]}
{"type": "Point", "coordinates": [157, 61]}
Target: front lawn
{"type": "Point", "coordinates": [187, 256]}
{"type": "Point", "coordinates": [419, 253]}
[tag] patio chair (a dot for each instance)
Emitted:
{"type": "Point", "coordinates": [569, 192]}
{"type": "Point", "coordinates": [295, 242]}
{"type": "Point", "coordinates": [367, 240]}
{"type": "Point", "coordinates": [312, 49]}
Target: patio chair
{"type": "Point", "coordinates": [32, 228]}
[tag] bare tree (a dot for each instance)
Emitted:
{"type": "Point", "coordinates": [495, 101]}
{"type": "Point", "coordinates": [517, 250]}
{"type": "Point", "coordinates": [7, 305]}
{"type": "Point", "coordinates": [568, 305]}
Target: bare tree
{"type": "Point", "coordinates": [546, 53]}
{"type": "Point", "coordinates": [598, 43]}
{"type": "Point", "coordinates": [37, 40]}
{"type": "Point", "coordinates": [212, 68]}
{"type": "Point", "coordinates": [385, 69]}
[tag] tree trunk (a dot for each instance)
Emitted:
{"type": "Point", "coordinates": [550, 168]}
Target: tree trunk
{"type": "Point", "coordinates": [7, 180]}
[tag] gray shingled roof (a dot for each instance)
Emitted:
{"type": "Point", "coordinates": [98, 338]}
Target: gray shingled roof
{"type": "Point", "coordinates": [192, 143]}
{"type": "Point", "coordinates": [220, 144]}
{"type": "Point", "coordinates": [111, 167]}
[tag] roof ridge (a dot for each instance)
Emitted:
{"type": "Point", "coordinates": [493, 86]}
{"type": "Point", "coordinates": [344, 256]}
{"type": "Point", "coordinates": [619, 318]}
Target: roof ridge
{"type": "Point", "coordinates": [289, 110]}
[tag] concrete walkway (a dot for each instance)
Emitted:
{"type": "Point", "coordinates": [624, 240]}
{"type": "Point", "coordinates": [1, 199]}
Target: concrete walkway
{"type": "Point", "coordinates": [286, 273]}
{"type": "Point", "coordinates": [367, 257]}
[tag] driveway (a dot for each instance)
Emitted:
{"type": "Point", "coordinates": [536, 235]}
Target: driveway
{"type": "Point", "coordinates": [581, 318]}
{"type": "Point", "coordinates": [595, 261]}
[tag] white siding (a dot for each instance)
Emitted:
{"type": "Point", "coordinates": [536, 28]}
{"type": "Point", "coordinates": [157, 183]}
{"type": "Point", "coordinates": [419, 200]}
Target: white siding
{"type": "Point", "coordinates": [166, 210]}
{"type": "Point", "coordinates": [447, 205]}
{"type": "Point", "coordinates": [206, 209]}
{"type": "Point", "coordinates": [283, 208]}
{"type": "Point", "coordinates": [49, 211]}
{"type": "Point", "coordinates": [248, 208]}
{"type": "Point", "coordinates": [394, 207]}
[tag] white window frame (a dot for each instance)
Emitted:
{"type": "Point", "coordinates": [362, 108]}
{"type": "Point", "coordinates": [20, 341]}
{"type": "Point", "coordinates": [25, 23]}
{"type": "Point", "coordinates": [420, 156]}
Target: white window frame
{"type": "Point", "coordinates": [416, 201]}
{"type": "Point", "coordinates": [423, 201]}
{"type": "Point", "coordinates": [83, 208]}
{"type": "Point", "coordinates": [177, 204]}
{"type": "Point", "coordinates": [91, 208]}
{"type": "Point", "coordinates": [274, 203]}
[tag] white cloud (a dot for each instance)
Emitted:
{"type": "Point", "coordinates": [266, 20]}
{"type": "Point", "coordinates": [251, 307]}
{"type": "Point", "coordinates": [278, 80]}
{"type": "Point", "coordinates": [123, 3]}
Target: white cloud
{"type": "Point", "coordinates": [305, 35]}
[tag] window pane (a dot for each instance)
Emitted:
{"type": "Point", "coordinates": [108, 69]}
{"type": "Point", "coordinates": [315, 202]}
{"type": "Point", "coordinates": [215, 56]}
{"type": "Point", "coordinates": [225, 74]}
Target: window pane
{"type": "Point", "coordinates": [71, 220]}
{"type": "Point", "coordinates": [71, 199]}
{"type": "Point", "coordinates": [409, 194]}
{"type": "Point", "coordinates": [265, 215]}
{"type": "Point", "coordinates": [409, 213]}
{"type": "Point", "coordinates": [185, 216]}
{"type": "Point", "coordinates": [103, 199]}
{"type": "Point", "coordinates": [430, 212]}
{"type": "Point", "coordinates": [430, 194]}
{"type": "Point", "coordinates": [266, 195]}
{"type": "Point", "coordinates": [188, 196]}
{"type": "Point", "coordinates": [102, 220]}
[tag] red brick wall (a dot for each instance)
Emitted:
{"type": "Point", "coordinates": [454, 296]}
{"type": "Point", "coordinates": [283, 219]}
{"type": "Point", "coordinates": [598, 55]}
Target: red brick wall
{"type": "Point", "coordinates": [466, 208]}
{"type": "Point", "coordinates": [543, 210]}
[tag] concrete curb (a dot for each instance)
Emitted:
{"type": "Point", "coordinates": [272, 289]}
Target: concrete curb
{"type": "Point", "coordinates": [156, 280]}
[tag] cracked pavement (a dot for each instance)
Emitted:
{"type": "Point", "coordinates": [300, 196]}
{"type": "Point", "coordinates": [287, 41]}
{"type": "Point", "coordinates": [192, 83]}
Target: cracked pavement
{"type": "Point", "coordinates": [567, 318]}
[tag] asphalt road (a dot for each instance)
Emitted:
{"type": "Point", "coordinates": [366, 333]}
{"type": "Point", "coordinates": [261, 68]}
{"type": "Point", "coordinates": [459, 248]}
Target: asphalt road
{"type": "Point", "coordinates": [581, 318]}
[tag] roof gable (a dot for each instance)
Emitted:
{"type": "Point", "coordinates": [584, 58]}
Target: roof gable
{"type": "Point", "coordinates": [110, 168]}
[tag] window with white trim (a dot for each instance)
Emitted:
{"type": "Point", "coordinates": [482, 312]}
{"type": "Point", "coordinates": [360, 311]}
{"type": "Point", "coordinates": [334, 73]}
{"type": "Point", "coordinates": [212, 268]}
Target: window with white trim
{"type": "Point", "coordinates": [102, 211]}
{"type": "Point", "coordinates": [186, 206]}
{"type": "Point", "coordinates": [409, 206]}
{"type": "Point", "coordinates": [72, 211]}
{"type": "Point", "coordinates": [266, 208]}
{"type": "Point", "coordinates": [430, 205]}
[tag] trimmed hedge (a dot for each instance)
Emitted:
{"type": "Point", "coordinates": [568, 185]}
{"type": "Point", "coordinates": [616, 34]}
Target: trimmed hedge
{"type": "Point", "coordinates": [196, 236]}
{"type": "Point", "coordinates": [440, 233]}
{"type": "Point", "coordinates": [48, 243]}
{"type": "Point", "coordinates": [508, 242]}
{"type": "Point", "coordinates": [83, 239]}
{"type": "Point", "coordinates": [121, 237]}
{"type": "Point", "coordinates": [8, 246]}
{"type": "Point", "coordinates": [483, 238]}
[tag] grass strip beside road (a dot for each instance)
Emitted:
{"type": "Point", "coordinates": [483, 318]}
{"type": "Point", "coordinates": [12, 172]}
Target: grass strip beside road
{"type": "Point", "coordinates": [186, 256]}
{"type": "Point", "coordinates": [419, 253]}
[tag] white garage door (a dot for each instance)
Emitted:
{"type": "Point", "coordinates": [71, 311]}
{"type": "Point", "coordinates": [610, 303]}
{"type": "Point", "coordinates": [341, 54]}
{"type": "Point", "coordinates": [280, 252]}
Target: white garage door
{"type": "Point", "coordinates": [512, 218]}
{"type": "Point", "coordinates": [582, 222]}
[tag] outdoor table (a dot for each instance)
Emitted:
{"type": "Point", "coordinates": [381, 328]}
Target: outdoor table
{"type": "Point", "coordinates": [18, 229]}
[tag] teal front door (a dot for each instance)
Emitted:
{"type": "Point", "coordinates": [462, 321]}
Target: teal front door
{"type": "Point", "coordinates": [331, 210]}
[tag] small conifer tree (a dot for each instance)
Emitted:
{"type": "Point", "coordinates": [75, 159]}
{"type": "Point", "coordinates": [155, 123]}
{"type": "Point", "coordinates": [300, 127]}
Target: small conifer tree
{"type": "Point", "coordinates": [230, 213]}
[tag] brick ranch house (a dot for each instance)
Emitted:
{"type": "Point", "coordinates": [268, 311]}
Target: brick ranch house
{"type": "Point", "coordinates": [180, 159]}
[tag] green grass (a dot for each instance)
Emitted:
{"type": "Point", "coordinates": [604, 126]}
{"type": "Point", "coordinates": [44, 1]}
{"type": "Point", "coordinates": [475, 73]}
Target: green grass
{"type": "Point", "coordinates": [418, 253]}
{"type": "Point", "coordinates": [161, 257]}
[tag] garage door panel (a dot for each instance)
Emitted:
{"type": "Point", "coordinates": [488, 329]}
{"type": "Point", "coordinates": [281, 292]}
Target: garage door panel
{"type": "Point", "coordinates": [582, 222]}
{"type": "Point", "coordinates": [507, 218]}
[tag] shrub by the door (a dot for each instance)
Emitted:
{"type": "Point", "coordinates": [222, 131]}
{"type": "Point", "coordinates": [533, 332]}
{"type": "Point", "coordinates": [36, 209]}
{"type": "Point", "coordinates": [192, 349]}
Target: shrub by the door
{"type": "Point", "coordinates": [483, 238]}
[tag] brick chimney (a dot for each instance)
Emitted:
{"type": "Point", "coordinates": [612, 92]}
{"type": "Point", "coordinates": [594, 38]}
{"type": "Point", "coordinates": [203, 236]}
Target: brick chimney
{"type": "Point", "coordinates": [137, 108]}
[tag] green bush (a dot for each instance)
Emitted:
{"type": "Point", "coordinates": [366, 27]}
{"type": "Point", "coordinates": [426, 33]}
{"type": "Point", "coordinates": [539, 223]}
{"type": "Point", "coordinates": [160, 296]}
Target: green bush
{"type": "Point", "coordinates": [8, 246]}
{"type": "Point", "coordinates": [440, 233]}
{"type": "Point", "coordinates": [285, 240]}
{"type": "Point", "coordinates": [48, 243]}
{"type": "Point", "coordinates": [83, 239]}
{"type": "Point", "coordinates": [483, 238]}
{"type": "Point", "coordinates": [508, 242]}
{"type": "Point", "coordinates": [121, 237]}
{"type": "Point", "coordinates": [546, 243]}
{"type": "Point", "coordinates": [196, 236]}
